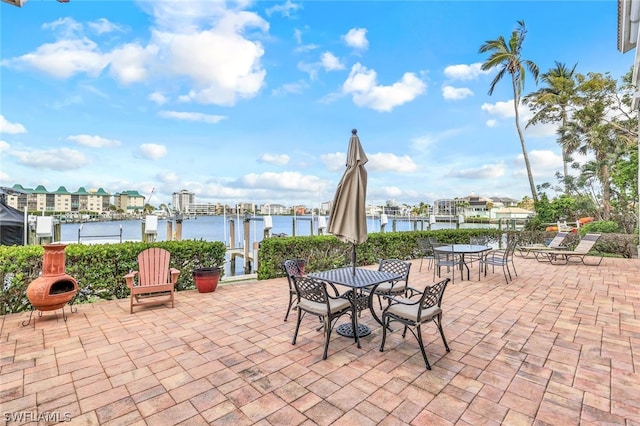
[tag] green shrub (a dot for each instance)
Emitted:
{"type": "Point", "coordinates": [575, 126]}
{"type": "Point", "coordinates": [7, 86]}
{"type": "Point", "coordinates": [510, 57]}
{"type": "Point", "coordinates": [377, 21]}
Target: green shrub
{"type": "Point", "coordinates": [327, 252]}
{"type": "Point", "coordinates": [600, 227]}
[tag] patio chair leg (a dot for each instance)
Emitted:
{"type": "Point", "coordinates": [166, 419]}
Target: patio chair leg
{"type": "Point", "coordinates": [438, 322]}
{"type": "Point", "coordinates": [295, 334]}
{"type": "Point", "coordinates": [286, 316]}
{"type": "Point", "coordinates": [421, 344]}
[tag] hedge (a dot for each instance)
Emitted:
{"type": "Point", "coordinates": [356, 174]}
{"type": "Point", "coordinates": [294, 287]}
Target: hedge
{"type": "Point", "coordinates": [327, 252]}
{"type": "Point", "coordinates": [99, 269]}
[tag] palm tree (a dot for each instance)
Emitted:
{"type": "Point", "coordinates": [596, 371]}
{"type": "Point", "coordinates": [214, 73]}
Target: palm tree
{"type": "Point", "coordinates": [506, 57]}
{"type": "Point", "coordinates": [551, 104]}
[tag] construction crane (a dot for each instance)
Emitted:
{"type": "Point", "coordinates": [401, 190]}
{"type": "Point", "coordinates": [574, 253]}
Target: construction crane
{"type": "Point", "coordinates": [153, 191]}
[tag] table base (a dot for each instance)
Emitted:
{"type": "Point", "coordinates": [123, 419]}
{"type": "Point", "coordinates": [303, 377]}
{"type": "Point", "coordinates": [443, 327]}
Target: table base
{"type": "Point", "coordinates": [346, 330]}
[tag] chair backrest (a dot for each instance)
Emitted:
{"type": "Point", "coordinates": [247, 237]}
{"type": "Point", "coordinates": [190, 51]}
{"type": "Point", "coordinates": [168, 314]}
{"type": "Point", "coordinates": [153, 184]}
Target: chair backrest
{"type": "Point", "coordinates": [557, 241]}
{"type": "Point", "coordinates": [586, 243]}
{"type": "Point", "coordinates": [153, 266]}
{"type": "Point", "coordinates": [432, 295]}
{"type": "Point", "coordinates": [396, 266]}
{"type": "Point", "coordinates": [293, 268]}
{"type": "Point", "coordinates": [311, 289]}
{"type": "Point", "coordinates": [424, 246]}
{"type": "Point", "coordinates": [481, 240]}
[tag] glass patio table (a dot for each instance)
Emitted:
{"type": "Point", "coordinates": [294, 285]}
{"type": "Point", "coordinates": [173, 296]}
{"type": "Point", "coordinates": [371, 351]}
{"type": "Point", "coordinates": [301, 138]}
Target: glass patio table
{"type": "Point", "coordinates": [463, 249]}
{"type": "Point", "coordinates": [362, 279]}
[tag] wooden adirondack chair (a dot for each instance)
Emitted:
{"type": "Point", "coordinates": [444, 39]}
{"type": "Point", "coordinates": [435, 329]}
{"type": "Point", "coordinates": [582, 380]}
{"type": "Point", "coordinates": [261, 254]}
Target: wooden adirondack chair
{"type": "Point", "coordinates": [155, 280]}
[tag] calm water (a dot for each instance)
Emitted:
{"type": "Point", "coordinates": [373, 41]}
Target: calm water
{"type": "Point", "coordinates": [217, 228]}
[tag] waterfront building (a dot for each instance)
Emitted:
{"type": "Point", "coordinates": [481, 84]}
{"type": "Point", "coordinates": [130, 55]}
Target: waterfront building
{"type": "Point", "coordinates": [206, 208]}
{"type": "Point", "coordinates": [182, 201]}
{"type": "Point", "coordinates": [60, 201]}
{"type": "Point", "coordinates": [128, 201]}
{"type": "Point", "coordinates": [276, 209]}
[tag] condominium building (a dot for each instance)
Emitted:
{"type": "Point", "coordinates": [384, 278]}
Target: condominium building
{"type": "Point", "coordinates": [41, 200]}
{"type": "Point", "coordinates": [183, 201]}
{"type": "Point", "coordinates": [128, 201]}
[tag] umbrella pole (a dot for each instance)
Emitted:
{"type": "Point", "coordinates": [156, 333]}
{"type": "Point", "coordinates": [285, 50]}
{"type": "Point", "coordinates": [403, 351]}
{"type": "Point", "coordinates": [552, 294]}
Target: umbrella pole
{"type": "Point", "coordinates": [353, 259]}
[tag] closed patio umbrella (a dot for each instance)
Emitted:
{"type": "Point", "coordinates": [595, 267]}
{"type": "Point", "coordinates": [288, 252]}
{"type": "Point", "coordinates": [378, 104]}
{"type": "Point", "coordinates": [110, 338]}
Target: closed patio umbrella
{"type": "Point", "coordinates": [348, 216]}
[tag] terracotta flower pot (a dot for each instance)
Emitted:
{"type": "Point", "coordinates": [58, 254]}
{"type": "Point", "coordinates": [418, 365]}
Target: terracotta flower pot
{"type": "Point", "coordinates": [206, 279]}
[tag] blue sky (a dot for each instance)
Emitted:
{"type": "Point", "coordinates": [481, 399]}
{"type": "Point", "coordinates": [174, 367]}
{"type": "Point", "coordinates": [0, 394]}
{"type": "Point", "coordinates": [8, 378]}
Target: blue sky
{"type": "Point", "coordinates": [255, 101]}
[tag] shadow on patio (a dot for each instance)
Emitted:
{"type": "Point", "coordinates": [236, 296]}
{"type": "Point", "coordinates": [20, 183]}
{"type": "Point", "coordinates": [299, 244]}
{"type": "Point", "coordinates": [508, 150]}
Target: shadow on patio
{"type": "Point", "coordinates": [558, 345]}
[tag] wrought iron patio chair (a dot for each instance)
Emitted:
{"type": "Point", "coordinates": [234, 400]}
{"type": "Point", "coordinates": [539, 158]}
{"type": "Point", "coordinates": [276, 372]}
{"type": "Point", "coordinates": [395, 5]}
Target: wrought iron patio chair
{"type": "Point", "coordinates": [397, 287]}
{"type": "Point", "coordinates": [154, 281]}
{"type": "Point", "coordinates": [293, 268]}
{"type": "Point", "coordinates": [313, 298]}
{"type": "Point", "coordinates": [414, 311]}
{"type": "Point", "coordinates": [425, 251]}
{"type": "Point", "coordinates": [471, 258]}
{"type": "Point", "coordinates": [451, 261]}
{"type": "Point", "coordinates": [501, 257]}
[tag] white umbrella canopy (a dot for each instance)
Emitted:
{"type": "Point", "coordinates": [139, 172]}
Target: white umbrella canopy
{"type": "Point", "coordinates": [348, 216]}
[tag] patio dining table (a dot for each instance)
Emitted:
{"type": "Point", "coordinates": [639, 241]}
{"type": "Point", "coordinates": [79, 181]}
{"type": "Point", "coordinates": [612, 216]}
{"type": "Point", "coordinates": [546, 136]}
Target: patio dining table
{"type": "Point", "coordinates": [462, 250]}
{"type": "Point", "coordinates": [357, 279]}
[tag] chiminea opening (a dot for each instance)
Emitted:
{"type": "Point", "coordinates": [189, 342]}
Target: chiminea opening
{"type": "Point", "coordinates": [62, 286]}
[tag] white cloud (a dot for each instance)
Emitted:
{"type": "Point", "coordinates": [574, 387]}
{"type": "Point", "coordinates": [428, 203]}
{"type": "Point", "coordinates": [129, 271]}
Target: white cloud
{"type": "Point", "coordinates": [200, 45]}
{"type": "Point", "coordinates": [487, 171]}
{"type": "Point", "coordinates": [294, 88]}
{"type": "Point", "coordinates": [193, 116]}
{"type": "Point", "coordinates": [357, 38]}
{"type": "Point", "coordinates": [500, 109]}
{"type": "Point", "coordinates": [290, 181]}
{"type": "Point", "coordinates": [128, 64]}
{"type": "Point", "coordinates": [158, 98]}
{"type": "Point", "coordinates": [330, 62]}
{"type": "Point", "coordinates": [334, 161]}
{"type": "Point", "coordinates": [365, 91]}
{"type": "Point", "coordinates": [153, 151]}
{"type": "Point", "coordinates": [426, 142]}
{"type": "Point", "coordinates": [103, 26]}
{"type": "Point", "coordinates": [94, 141]}
{"type": "Point", "coordinates": [277, 159]}
{"type": "Point", "coordinates": [64, 59]}
{"type": "Point", "coordinates": [504, 110]}
{"type": "Point", "coordinates": [4, 146]}
{"type": "Point", "coordinates": [60, 159]}
{"type": "Point", "coordinates": [455, 93]}
{"type": "Point", "coordinates": [465, 72]}
{"type": "Point", "coordinates": [543, 161]}
{"type": "Point", "coordinates": [285, 9]}
{"type": "Point", "coordinates": [168, 177]}
{"type": "Point", "coordinates": [391, 163]}
{"type": "Point", "coordinates": [222, 65]}
{"type": "Point", "coordinates": [11, 128]}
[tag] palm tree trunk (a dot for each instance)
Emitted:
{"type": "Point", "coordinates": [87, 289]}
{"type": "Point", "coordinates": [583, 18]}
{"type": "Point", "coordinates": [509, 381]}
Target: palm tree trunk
{"type": "Point", "coordinates": [606, 187]}
{"type": "Point", "coordinates": [525, 154]}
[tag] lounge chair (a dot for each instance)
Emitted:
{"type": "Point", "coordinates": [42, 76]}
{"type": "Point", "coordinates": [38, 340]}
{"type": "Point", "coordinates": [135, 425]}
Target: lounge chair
{"type": "Point", "coordinates": [562, 257]}
{"type": "Point", "coordinates": [557, 243]}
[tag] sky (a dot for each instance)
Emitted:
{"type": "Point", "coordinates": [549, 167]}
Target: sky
{"type": "Point", "coordinates": [254, 101]}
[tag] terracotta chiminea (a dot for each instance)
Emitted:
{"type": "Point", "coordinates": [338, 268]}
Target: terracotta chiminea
{"type": "Point", "coordinates": [54, 288]}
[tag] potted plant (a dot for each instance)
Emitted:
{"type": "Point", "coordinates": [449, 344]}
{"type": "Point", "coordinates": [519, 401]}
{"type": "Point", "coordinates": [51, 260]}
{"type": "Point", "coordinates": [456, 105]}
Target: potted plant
{"type": "Point", "coordinates": [206, 279]}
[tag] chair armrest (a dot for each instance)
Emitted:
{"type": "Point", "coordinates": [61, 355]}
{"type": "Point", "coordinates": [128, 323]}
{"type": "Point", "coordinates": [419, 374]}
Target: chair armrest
{"type": "Point", "coordinates": [130, 277]}
{"type": "Point", "coordinates": [335, 290]}
{"type": "Point", "coordinates": [174, 275]}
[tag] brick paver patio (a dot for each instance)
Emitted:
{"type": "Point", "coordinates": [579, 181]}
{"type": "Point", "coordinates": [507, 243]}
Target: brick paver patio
{"type": "Point", "coordinates": [559, 345]}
